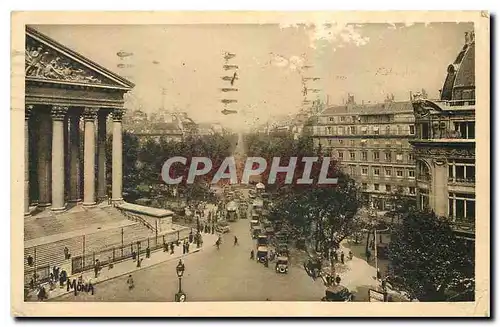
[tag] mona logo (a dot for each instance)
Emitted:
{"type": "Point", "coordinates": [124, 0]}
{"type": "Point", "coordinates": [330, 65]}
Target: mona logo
{"type": "Point", "coordinates": [87, 287]}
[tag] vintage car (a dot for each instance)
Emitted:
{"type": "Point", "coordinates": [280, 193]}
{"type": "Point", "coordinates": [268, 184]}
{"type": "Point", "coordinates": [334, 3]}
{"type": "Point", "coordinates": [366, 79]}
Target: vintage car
{"type": "Point", "coordinates": [256, 232]}
{"type": "Point", "coordinates": [222, 227]}
{"type": "Point", "coordinates": [282, 265]}
{"type": "Point", "coordinates": [282, 249]}
{"type": "Point", "coordinates": [262, 253]}
{"type": "Point", "coordinates": [254, 223]}
{"type": "Point", "coordinates": [338, 293]}
{"type": "Point", "coordinates": [262, 240]}
{"type": "Point", "coordinates": [313, 267]}
{"type": "Point", "coordinates": [269, 231]}
{"type": "Point", "coordinates": [232, 211]}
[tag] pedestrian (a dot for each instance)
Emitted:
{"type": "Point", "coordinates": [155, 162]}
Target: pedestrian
{"type": "Point", "coordinates": [379, 275]}
{"type": "Point", "coordinates": [165, 247]}
{"type": "Point", "coordinates": [342, 257]}
{"type": "Point", "coordinates": [66, 253]}
{"type": "Point", "coordinates": [148, 252]}
{"type": "Point", "coordinates": [350, 255]}
{"type": "Point", "coordinates": [32, 283]}
{"type": "Point", "coordinates": [235, 240]}
{"type": "Point", "coordinates": [191, 236]}
{"type": "Point", "coordinates": [130, 282]}
{"type": "Point", "coordinates": [252, 255]}
{"type": "Point", "coordinates": [97, 267]}
{"type": "Point", "coordinates": [368, 255]}
{"type": "Point", "coordinates": [217, 243]}
{"type": "Point", "coordinates": [183, 247]}
{"type": "Point", "coordinates": [42, 294]}
{"type": "Point", "coordinates": [172, 246]}
{"type": "Point", "coordinates": [336, 256]}
{"type": "Point", "coordinates": [187, 247]}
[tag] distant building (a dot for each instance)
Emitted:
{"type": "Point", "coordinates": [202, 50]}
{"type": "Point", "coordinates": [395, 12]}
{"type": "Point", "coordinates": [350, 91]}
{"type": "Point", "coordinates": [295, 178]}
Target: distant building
{"type": "Point", "coordinates": [371, 141]}
{"type": "Point", "coordinates": [445, 144]}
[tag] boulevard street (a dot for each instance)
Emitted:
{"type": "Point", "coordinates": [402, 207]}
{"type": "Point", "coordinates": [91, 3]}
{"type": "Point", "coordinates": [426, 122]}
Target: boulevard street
{"type": "Point", "coordinates": [227, 274]}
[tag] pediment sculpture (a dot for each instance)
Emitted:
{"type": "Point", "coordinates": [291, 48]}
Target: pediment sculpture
{"type": "Point", "coordinates": [46, 63]}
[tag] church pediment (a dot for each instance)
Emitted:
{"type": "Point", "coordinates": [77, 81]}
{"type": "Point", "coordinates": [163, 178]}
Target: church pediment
{"type": "Point", "coordinates": [48, 61]}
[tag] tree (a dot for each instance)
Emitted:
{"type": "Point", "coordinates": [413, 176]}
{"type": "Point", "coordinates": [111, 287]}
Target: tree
{"type": "Point", "coordinates": [401, 205]}
{"type": "Point", "coordinates": [331, 210]}
{"type": "Point", "coordinates": [429, 262]}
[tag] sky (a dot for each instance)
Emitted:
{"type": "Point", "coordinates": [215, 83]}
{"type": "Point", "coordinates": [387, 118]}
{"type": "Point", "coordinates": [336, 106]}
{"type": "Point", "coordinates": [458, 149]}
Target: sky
{"type": "Point", "coordinates": [185, 61]}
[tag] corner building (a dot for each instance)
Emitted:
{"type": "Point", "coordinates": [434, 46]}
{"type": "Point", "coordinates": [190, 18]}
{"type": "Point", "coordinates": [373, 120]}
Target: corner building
{"type": "Point", "coordinates": [371, 141]}
{"type": "Point", "coordinates": [445, 145]}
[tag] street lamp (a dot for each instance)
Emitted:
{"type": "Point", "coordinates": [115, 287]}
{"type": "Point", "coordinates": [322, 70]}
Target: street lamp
{"type": "Point", "coordinates": [180, 296]}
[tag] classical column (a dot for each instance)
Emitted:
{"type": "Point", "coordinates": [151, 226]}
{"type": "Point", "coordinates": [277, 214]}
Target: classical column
{"type": "Point", "coordinates": [117, 156]}
{"type": "Point", "coordinates": [89, 116]}
{"type": "Point", "coordinates": [43, 170]}
{"type": "Point", "coordinates": [74, 154]}
{"type": "Point", "coordinates": [101, 155]}
{"type": "Point", "coordinates": [27, 113]}
{"type": "Point", "coordinates": [58, 115]}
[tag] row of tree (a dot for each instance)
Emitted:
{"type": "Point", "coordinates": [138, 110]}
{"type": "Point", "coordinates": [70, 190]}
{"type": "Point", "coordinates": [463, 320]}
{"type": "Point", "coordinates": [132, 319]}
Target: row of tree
{"type": "Point", "coordinates": [143, 161]}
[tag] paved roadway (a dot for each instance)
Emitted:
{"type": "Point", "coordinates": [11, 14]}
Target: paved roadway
{"type": "Point", "coordinates": [227, 274]}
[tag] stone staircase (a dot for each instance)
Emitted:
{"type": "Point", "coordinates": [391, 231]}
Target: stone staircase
{"type": "Point", "coordinates": [51, 254]}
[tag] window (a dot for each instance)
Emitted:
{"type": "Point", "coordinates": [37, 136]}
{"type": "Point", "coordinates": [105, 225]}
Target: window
{"type": "Point", "coordinates": [352, 155]}
{"type": "Point", "coordinates": [352, 130]}
{"type": "Point", "coordinates": [399, 173]}
{"type": "Point", "coordinates": [376, 171]}
{"type": "Point", "coordinates": [342, 119]}
{"type": "Point", "coordinates": [461, 171]}
{"type": "Point", "coordinates": [423, 172]}
{"type": "Point", "coordinates": [331, 119]}
{"type": "Point", "coordinates": [364, 170]}
{"type": "Point", "coordinates": [388, 172]}
{"type": "Point", "coordinates": [341, 141]}
{"type": "Point", "coordinates": [341, 155]}
{"type": "Point", "coordinates": [399, 157]}
{"type": "Point", "coordinates": [341, 130]}
{"type": "Point", "coordinates": [423, 131]}
{"type": "Point", "coordinates": [364, 130]}
{"type": "Point", "coordinates": [411, 173]}
{"type": "Point", "coordinates": [400, 130]}
{"type": "Point", "coordinates": [329, 130]}
{"type": "Point", "coordinates": [412, 190]}
{"type": "Point", "coordinates": [353, 119]}
{"type": "Point", "coordinates": [466, 130]}
{"type": "Point", "coordinates": [352, 171]}
{"type": "Point", "coordinates": [353, 143]}
{"type": "Point", "coordinates": [411, 157]}
{"type": "Point", "coordinates": [329, 142]}
{"type": "Point", "coordinates": [376, 155]}
{"type": "Point", "coordinates": [375, 130]}
{"type": "Point", "coordinates": [376, 187]}
{"type": "Point", "coordinates": [423, 199]}
{"type": "Point", "coordinates": [364, 186]}
{"type": "Point", "coordinates": [388, 156]}
{"type": "Point", "coordinates": [388, 130]}
{"type": "Point", "coordinates": [364, 156]}
{"type": "Point", "coordinates": [462, 207]}
{"type": "Point", "coordinates": [412, 129]}
{"type": "Point", "coordinates": [388, 188]}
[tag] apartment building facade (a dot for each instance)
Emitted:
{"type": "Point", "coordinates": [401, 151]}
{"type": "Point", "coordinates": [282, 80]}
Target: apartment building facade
{"type": "Point", "coordinates": [372, 144]}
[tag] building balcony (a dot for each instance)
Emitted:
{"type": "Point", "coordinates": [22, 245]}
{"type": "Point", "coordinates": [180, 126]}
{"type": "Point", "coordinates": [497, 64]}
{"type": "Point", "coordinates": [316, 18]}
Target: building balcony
{"type": "Point", "coordinates": [467, 226]}
{"type": "Point", "coordinates": [471, 180]}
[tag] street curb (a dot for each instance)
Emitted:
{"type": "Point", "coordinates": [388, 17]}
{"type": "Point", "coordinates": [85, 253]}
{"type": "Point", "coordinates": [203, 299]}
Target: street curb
{"type": "Point", "coordinates": [126, 273]}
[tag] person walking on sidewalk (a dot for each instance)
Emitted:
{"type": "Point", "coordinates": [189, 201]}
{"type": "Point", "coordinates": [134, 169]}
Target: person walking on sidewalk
{"type": "Point", "coordinates": [342, 257]}
{"type": "Point", "coordinates": [368, 255]}
{"type": "Point", "coordinates": [130, 282]}
{"type": "Point", "coordinates": [97, 267]}
{"type": "Point", "coordinates": [235, 240]}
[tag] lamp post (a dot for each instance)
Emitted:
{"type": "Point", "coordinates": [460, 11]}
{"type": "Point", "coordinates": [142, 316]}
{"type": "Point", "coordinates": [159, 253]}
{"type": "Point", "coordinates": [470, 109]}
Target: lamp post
{"type": "Point", "coordinates": [180, 296]}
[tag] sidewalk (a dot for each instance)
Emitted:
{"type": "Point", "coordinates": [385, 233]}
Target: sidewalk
{"type": "Point", "coordinates": [127, 267]}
